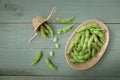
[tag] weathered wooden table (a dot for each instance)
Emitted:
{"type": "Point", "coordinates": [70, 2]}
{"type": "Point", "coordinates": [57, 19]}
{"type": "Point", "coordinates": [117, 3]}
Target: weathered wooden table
{"type": "Point", "coordinates": [16, 29]}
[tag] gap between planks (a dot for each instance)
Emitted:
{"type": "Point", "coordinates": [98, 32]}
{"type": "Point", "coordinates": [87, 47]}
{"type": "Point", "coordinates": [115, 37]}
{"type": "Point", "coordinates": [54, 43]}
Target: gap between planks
{"type": "Point", "coordinates": [49, 22]}
{"type": "Point", "coordinates": [28, 48]}
{"type": "Point", "coordinates": [60, 75]}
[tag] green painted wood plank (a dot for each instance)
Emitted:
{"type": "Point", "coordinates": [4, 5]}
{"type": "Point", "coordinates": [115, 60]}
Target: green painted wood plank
{"type": "Point", "coordinates": [16, 53]}
{"type": "Point", "coordinates": [17, 35]}
{"type": "Point", "coordinates": [56, 78]}
{"type": "Point", "coordinates": [17, 62]}
{"type": "Point", "coordinates": [22, 11]}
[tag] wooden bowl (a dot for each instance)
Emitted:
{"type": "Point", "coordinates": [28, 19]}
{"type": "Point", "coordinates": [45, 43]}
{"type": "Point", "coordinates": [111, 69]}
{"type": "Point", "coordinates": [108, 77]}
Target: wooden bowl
{"type": "Point", "coordinates": [90, 63]}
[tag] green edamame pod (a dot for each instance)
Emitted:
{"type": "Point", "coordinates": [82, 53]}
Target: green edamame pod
{"type": "Point", "coordinates": [65, 20]}
{"type": "Point", "coordinates": [99, 34]}
{"type": "Point", "coordinates": [44, 35]}
{"type": "Point", "coordinates": [70, 47]}
{"type": "Point", "coordinates": [50, 64]}
{"type": "Point", "coordinates": [81, 53]}
{"type": "Point", "coordinates": [102, 31]}
{"type": "Point", "coordinates": [87, 34]}
{"type": "Point", "coordinates": [97, 41]}
{"type": "Point", "coordinates": [102, 40]}
{"type": "Point", "coordinates": [77, 37]}
{"type": "Point", "coordinates": [89, 26]}
{"type": "Point", "coordinates": [74, 42]}
{"type": "Point", "coordinates": [65, 29]}
{"type": "Point", "coordinates": [81, 57]}
{"type": "Point", "coordinates": [83, 49]}
{"type": "Point", "coordinates": [75, 57]}
{"type": "Point", "coordinates": [79, 47]}
{"type": "Point", "coordinates": [72, 60]}
{"type": "Point", "coordinates": [100, 44]}
{"type": "Point", "coordinates": [86, 51]}
{"type": "Point", "coordinates": [37, 58]}
{"type": "Point", "coordinates": [97, 29]}
{"type": "Point", "coordinates": [96, 47]}
{"type": "Point", "coordinates": [82, 40]}
{"type": "Point", "coordinates": [93, 52]}
{"type": "Point", "coordinates": [59, 31]}
{"type": "Point", "coordinates": [49, 29]}
{"type": "Point", "coordinates": [75, 51]}
{"type": "Point", "coordinates": [45, 29]}
{"type": "Point", "coordinates": [87, 55]}
{"type": "Point", "coordinates": [93, 25]}
{"type": "Point", "coordinates": [95, 38]}
{"type": "Point", "coordinates": [90, 41]}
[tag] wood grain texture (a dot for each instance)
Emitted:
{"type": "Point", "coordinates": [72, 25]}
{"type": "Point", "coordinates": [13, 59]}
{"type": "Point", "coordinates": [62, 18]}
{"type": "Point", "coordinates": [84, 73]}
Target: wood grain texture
{"type": "Point", "coordinates": [56, 78]}
{"type": "Point", "coordinates": [16, 29]}
{"type": "Point", "coordinates": [16, 53]}
{"type": "Point", "coordinates": [22, 11]}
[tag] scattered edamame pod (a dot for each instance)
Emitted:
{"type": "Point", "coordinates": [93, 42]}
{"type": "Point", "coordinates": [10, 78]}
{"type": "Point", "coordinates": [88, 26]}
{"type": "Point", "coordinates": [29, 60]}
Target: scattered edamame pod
{"type": "Point", "coordinates": [65, 29]}
{"type": "Point", "coordinates": [37, 58]}
{"type": "Point", "coordinates": [50, 64]}
{"type": "Point", "coordinates": [65, 20]}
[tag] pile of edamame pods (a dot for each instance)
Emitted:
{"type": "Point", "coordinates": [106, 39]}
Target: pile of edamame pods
{"type": "Point", "coordinates": [87, 42]}
{"type": "Point", "coordinates": [45, 29]}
